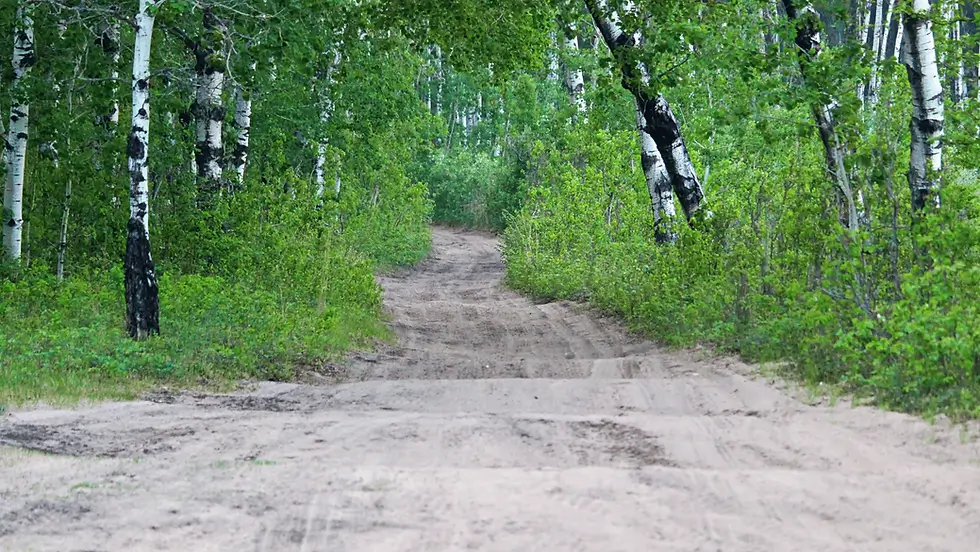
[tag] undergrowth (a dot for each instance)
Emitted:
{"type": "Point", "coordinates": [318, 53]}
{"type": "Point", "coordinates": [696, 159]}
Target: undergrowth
{"type": "Point", "coordinates": [285, 286]}
{"type": "Point", "coordinates": [772, 276]}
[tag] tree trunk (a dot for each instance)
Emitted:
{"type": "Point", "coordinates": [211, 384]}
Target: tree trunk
{"type": "Point", "coordinates": [877, 47]}
{"type": "Point", "coordinates": [574, 79]}
{"type": "Point", "coordinates": [16, 142]}
{"type": "Point", "coordinates": [243, 127]}
{"type": "Point", "coordinates": [926, 126]}
{"type": "Point", "coordinates": [110, 48]}
{"type": "Point", "coordinates": [210, 115]}
{"type": "Point", "coordinates": [808, 41]}
{"type": "Point", "coordinates": [326, 113]}
{"type": "Point", "coordinates": [63, 239]}
{"type": "Point", "coordinates": [658, 183]}
{"type": "Point", "coordinates": [660, 122]}
{"type": "Point", "coordinates": [142, 292]}
{"type": "Point", "coordinates": [897, 48]}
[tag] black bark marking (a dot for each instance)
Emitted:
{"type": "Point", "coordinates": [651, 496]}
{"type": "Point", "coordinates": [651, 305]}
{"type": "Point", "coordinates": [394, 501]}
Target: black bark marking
{"type": "Point", "coordinates": [142, 290]}
{"type": "Point", "coordinates": [135, 148]}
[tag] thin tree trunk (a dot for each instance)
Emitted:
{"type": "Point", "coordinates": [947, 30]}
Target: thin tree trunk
{"type": "Point", "coordinates": [243, 127]}
{"type": "Point", "coordinates": [926, 162]}
{"type": "Point", "coordinates": [877, 47]}
{"type": "Point", "coordinates": [658, 183]}
{"type": "Point", "coordinates": [142, 291]}
{"type": "Point", "coordinates": [326, 113]}
{"type": "Point", "coordinates": [574, 79]}
{"type": "Point", "coordinates": [110, 48]}
{"type": "Point", "coordinates": [63, 239]}
{"type": "Point", "coordinates": [17, 132]}
{"type": "Point", "coordinates": [897, 47]}
{"type": "Point", "coordinates": [808, 41]}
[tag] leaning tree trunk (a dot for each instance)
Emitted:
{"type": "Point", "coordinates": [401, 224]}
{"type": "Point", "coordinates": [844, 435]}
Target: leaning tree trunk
{"type": "Point", "coordinates": [808, 41]}
{"type": "Point", "coordinates": [142, 292]}
{"type": "Point", "coordinates": [926, 162]}
{"type": "Point", "coordinates": [661, 124]}
{"type": "Point", "coordinates": [658, 183]}
{"type": "Point", "coordinates": [16, 140]}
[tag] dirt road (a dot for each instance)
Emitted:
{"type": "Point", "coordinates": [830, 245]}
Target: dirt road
{"type": "Point", "coordinates": [497, 425]}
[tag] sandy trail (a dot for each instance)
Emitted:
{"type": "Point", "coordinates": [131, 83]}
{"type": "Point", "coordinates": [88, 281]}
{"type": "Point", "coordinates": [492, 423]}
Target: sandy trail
{"type": "Point", "coordinates": [496, 425]}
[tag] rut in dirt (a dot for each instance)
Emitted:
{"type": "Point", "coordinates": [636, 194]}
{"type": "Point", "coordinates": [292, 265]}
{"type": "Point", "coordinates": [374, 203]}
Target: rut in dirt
{"type": "Point", "coordinates": [494, 424]}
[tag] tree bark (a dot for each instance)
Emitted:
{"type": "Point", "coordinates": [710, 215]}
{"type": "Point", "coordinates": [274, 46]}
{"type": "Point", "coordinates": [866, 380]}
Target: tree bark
{"type": "Point", "coordinates": [574, 79]}
{"type": "Point", "coordinates": [926, 126]}
{"type": "Point", "coordinates": [142, 292]}
{"type": "Point", "coordinates": [326, 113]}
{"type": "Point", "coordinates": [209, 115]}
{"type": "Point", "coordinates": [15, 148]}
{"type": "Point", "coordinates": [808, 41]}
{"type": "Point", "coordinates": [898, 48]}
{"type": "Point", "coordinates": [877, 47]}
{"type": "Point", "coordinates": [658, 183]}
{"type": "Point", "coordinates": [661, 124]}
{"type": "Point", "coordinates": [243, 130]}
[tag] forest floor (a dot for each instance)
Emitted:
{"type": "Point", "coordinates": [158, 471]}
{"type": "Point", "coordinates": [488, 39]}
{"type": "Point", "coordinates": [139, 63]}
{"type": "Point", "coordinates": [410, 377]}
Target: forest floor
{"type": "Point", "coordinates": [495, 424]}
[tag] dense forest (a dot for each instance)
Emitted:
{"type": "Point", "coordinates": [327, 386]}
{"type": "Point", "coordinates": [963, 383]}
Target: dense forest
{"type": "Point", "coordinates": [198, 192]}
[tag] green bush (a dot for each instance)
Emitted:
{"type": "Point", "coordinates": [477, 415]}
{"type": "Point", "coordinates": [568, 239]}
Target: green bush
{"type": "Point", "coordinates": [473, 190]}
{"type": "Point", "coordinates": [771, 277]}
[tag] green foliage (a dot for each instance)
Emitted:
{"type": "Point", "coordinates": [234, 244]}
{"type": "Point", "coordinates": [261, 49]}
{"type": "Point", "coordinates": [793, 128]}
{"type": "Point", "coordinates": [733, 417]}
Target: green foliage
{"type": "Point", "coordinates": [772, 277]}
{"type": "Point", "coordinates": [263, 282]}
{"type": "Point", "coordinates": [66, 340]}
{"type": "Point", "coordinates": [472, 189]}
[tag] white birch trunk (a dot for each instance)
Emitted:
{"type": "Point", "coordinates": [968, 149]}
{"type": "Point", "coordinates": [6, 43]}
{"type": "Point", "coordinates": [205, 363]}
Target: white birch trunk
{"type": "Point", "coordinates": [17, 132]}
{"type": "Point", "coordinates": [876, 47]}
{"type": "Point", "coordinates": [897, 49]}
{"type": "Point", "coordinates": [658, 183]}
{"type": "Point", "coordinates": [142, 303]}
{"type": "Point", "coordinates": [210, 116]}
{"type": "Point", "coordinates": [326, 113]}
{"type": "Point", "coordinates": [574, 78]}
{"type": "Point", "coordinates": [661, 124]}
{"type": "Point", "coordinates": [243, 127]}
{"type": "Point", "coordinates": [110, 46]}
{"type": "Point", "coordinates": [63, 240]}
{"type": "Point", "coordinates": [926, 126]}
{"type": "Point", "coordinates": [958, 91]}
{"type": "Point", "coordinates": [863, 32]}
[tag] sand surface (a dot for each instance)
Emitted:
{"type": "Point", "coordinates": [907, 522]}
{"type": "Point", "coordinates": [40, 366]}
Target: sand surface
{"type": "Point", "coordinates": [496, 424]}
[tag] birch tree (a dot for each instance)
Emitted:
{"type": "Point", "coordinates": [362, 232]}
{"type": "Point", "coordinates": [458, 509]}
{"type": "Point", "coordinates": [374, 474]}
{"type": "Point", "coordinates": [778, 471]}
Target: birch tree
{"type": "Point", "coordinates": [142, 292]}
{"type": "Point", "coordinates": [926, 126]}
{"type": "Point", "coordinates": [326, 114]}
{"type": "Point", "coordinates": [660, 122]}
{"type": "Point", "coordinates": [209, 112]}
{"type": "Point", "coordinates": [807, 40]}
{"type": "Point", "coordinates": [574, 78]}
{"type": "Point", "coordinates": [243, 128]}
{"type": "Point", "coordinates": [658, 182]}
{"type": "Point", "coordinates": [15, 148]}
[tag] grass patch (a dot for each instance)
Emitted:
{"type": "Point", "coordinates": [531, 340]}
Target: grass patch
{"type": "Point", "coordinates": [63, 342]}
